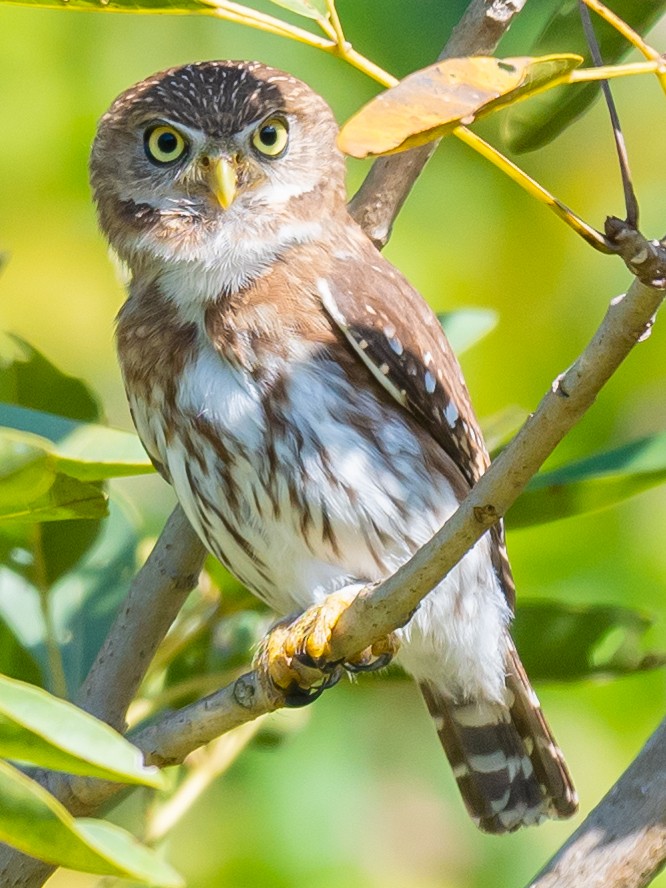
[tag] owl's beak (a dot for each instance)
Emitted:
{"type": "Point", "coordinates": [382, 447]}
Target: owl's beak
{"type": "Point", "coordinates": [223, 181]}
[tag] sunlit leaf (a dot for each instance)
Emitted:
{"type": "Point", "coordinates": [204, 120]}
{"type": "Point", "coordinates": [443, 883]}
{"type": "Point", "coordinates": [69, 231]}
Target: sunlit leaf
{"type": "Point", "coordinates": [568, 642]}
{"type": "Point", "coordinates": [32, 489]}
{"type": "Point", "coordinates": [147, 6]}
{"type": "Point", "coordinates": [94, 453]}
{"type": "Point", "coordinates": [593, 483]}
{"type": "Point", "coordinates": [86, 451]}
{"type": "Point", "coordinates": [313, 9]}
{"type": "Point", "coordinates": [467, 326]}
{"type": "Point", "coordinates": [34, 821]}
{"type": "Point", "coordinates": [40, 729]}
{"type": "Point", "coordinates": [530, 125]}
{"type": "Point", "coordinates": [137, 860]}
{"type": "Point", "coordinates": [26, 470]}
{"type": "Point", "coordinates": [430, 103]}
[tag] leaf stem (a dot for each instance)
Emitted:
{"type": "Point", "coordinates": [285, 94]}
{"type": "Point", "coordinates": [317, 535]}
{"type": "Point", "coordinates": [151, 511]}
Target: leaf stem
{"type": "Point", "coordinates": [348, 54]}
{"type": "Point", "coordinates": [608, 72]}
{"type": "Point", "coordinates": [632, 36]}
{"type": "Point", "coordinates": [514, 172]}
{"type": "Point", "coordinates": [334, 27]}
{"type": "Point", "coordinates": [625, 29]}
{"type": "Point", "coordinates": [56, 679]}
{"type": "Point", "coordinates": [243, 15]}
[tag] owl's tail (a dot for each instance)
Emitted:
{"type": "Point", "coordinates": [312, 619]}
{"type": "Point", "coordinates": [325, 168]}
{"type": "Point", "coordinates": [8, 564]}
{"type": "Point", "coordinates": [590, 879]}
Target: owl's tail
{"type": "Point", "coordinates": [509, 769]}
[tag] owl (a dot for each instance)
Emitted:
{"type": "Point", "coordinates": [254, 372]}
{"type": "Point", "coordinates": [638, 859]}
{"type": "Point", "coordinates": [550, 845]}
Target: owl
{"type": "Point", "coordinates": [303, 401]}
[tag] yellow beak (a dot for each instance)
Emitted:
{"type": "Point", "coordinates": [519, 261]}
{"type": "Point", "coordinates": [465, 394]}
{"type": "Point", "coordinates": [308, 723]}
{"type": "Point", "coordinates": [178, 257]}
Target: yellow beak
{"type": "Point", "coordinates": [223, 181]}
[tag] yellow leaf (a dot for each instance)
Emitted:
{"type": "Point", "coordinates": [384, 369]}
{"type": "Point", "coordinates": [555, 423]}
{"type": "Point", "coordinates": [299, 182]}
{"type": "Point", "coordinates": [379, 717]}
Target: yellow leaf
{"type": "Point", "coordinates": [430, 103]}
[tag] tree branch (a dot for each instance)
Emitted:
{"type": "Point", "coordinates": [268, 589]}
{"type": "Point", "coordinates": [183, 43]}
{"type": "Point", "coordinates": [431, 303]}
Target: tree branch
{"type": "Point", "coordinates": [622, 842]}
{"type": "Point", "coordinates": [155, 597]}
{"type": "Point", "coordinates": [380, 609]}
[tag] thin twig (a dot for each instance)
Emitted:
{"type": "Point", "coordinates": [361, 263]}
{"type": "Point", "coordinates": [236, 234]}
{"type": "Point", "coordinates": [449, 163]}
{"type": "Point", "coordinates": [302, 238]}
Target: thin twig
{"type": "Point", "coordinates": [630, 200]}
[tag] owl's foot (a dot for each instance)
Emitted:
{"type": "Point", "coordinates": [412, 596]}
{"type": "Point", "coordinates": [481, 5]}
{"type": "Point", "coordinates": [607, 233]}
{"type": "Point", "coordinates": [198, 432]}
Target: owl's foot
{"type": "Point", "coordinates": [375, 657]}
{"type": "Point", "coordinates": [295, 652]}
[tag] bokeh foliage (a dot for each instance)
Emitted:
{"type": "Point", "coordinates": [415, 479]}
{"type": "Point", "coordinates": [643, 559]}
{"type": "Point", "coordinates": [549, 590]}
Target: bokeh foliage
{"type": "Point", "coordinates": [360, 794]}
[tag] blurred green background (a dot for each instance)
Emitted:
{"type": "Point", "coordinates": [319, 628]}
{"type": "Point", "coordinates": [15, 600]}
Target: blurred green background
{"type": "Point", "coordinates": [360, 793]}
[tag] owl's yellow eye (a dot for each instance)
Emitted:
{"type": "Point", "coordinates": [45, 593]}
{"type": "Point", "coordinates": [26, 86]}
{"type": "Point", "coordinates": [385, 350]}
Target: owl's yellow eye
{"type": "Point", "coordinates": [164, 144]}
{"type": "Point", "coordinates": [271, 137]}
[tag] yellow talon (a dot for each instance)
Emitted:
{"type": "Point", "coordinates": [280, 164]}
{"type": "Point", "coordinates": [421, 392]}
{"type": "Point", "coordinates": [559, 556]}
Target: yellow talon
{"type": "Point", "coordinates": [296, 652]}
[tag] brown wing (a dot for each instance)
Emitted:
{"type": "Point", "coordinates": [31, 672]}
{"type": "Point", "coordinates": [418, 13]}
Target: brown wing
{"type": "Point", "coordinates": [398, 337]}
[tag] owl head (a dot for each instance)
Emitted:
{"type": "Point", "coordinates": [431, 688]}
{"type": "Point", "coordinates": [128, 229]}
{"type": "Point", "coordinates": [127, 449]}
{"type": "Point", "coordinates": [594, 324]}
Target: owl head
{"type": "Point", "coordinates": [209, 150]}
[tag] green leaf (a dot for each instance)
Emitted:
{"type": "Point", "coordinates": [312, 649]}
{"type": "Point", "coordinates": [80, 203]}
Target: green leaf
{"type": "Point", "coordinates": [592, 483]}
{"type": "Point", "coordinates": [26, 471]}
{"type": "Point", "coordinates": [33, 821]}
{"type": "Point", "coordinates": [29, 379]}
{"type": "Point", "coordinates": [84, 597]}
{"type": "Point", "coordinates": [432, 102]}
{"type": "Point", "coordinates": [86, 451]}
{"type": "Point", "coordinates": [139, 862]}
{"type": "Point", "coordinates": [467, 326]}
{"type": "Point", "coordinates": [95, 453]}
{"type": "Point", "coordinates": [15, 660]}
{"type": "Point", "coordinates": [33, 490]}
{"type": "Point", "coordinates": [40, 729]}
{"type": "Point", "coordinates": [312, 9]}
{"type": "Point", "coordinates": [567, 642]}
{"type": "Point", "coordinates": [532, 124]}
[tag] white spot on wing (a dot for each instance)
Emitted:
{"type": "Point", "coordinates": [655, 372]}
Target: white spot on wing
{"type": "Point", "coordinates": [380, 373]}
{"type": "Point", "coordinates": [451, 414]}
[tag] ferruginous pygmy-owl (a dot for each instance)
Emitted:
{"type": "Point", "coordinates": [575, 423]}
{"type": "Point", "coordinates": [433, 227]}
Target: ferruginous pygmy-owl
{"type": "Point", "coordinates": [303, 400]}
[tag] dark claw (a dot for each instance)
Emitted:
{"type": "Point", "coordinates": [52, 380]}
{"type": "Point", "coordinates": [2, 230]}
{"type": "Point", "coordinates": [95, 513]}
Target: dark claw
{"type": "Point", "coordinates": [309, 662]}
{"type": "Point", "coordinates": [381, 661]}
{"type": "Point", "coordinates": [296, 697]}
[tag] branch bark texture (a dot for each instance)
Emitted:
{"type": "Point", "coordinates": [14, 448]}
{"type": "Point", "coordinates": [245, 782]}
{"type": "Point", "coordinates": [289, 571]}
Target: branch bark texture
{"type": "Point", "coordinates": [622, 843]}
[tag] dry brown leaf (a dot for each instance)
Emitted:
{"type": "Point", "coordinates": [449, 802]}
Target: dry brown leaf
{"type": "Point", "coordinates": [430, 103]}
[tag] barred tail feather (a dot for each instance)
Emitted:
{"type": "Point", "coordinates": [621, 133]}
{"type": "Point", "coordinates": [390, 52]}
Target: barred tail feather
{"type": "Point", "coordinates": [509, 769]}
{"type": "Point", "coordinates": [546, 756]}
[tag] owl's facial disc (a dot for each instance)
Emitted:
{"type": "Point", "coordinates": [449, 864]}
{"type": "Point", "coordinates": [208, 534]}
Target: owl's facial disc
{"type": "Point", "coordinates": [225, 168]}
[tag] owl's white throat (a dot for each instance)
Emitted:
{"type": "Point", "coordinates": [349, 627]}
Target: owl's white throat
{"type": "Point", "coordinates": [230, 259]}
